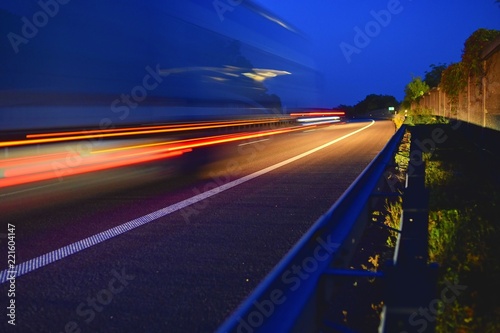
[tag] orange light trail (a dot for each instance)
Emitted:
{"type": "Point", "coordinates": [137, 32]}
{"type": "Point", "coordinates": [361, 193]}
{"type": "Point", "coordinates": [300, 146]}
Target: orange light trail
{"type": "Point", "coordinates": [200, 142]}
{"type": "Point", "coordinates": [4, 163]}
{"type": "Point", "coordinates": [30, 167]}
{"type": "Point", "coordinates": [53, 137]}
{"type": "Point", "coordinates": [188, 126]}
{"type": "Point", "coordinates": [144, 145]}
{"type": "Point", "coordinates": [16, 171]}
{"type": "Point", "coordinates": [46, 172]}
{"type": "Point", "coordinates": [209, 141]}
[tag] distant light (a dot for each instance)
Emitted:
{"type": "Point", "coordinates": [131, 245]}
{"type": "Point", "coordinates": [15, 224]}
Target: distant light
{"type": "Point", "coordinates": [307, 120]}
{"type": "Point", "coordinates": [257, 74]}
{"type": "Point", "coordinates": [215, 78]}
{"type": "Point", "coordinates": [391, 108]}
{"type": "Point", "coordinates": [255, 77]}
{"type": "Point", "coordinates": [260, 74]}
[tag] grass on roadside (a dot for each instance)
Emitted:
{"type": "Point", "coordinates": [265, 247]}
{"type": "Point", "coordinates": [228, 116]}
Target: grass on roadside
{"type": "Point", "coordinates": [463, 234]}
{"type": "Point", "coordinates": [464, 228]}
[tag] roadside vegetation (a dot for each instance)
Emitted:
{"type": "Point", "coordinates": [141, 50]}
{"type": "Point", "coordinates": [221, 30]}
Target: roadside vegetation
{"type": "Point", "coordinates": [464, 233]}
{"type": "Point", "coordinates": [464, 202]}
{"type": "Point", "coordinates": [464, 185]}
{"type": "Point", "coordinates": [393, 206]}
{"type": "Point", "coordinates": [464, 229]}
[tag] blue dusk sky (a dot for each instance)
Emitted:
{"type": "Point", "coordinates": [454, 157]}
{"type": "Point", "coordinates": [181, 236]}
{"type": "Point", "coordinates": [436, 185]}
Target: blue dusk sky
{"type": "Point", "coordinates": [375, 47]}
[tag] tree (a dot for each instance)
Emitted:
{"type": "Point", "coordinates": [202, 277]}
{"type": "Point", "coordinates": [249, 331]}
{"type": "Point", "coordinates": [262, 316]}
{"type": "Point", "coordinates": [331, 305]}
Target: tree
{"type": "Point", "coordinates": [433, 77]}
{"type": "Point", "coordinates": [348, 109]}
{"type": "Point", "coordinates": [416, 89]}
{"type": "Point", "coordinates": [375, 102]}
{"type": "Point", "coordinates": [454, 81]}
{"type": "Point", "coordinates": [455, 77]}
{"type": "Point", "coordinates": [473, 47]}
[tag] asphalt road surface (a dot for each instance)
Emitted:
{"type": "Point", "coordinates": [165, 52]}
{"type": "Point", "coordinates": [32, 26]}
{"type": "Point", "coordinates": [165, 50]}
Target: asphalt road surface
{"type": "Point", "coordinates": [158, 249]}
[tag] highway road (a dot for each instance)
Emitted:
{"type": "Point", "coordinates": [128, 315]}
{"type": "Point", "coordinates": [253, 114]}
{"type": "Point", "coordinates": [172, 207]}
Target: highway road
{"type": "Point", "coordinates": [155, 249]}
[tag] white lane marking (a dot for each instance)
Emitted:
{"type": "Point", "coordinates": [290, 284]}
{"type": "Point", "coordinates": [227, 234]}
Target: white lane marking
{"type": "Point", "coordinates": [48, 258]}
{"type": "Point", "coordinates": [251, 143]}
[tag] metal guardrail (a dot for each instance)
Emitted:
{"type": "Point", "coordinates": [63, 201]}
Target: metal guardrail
{"type": "Point", "coordinates": [410, 280]}
{"type": "Point", "coordinates": [294, 295]}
